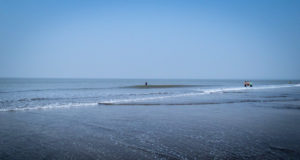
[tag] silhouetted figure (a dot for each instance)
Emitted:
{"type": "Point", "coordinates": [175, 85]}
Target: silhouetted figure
{"type": "Point", "coordinates": [146, 83]}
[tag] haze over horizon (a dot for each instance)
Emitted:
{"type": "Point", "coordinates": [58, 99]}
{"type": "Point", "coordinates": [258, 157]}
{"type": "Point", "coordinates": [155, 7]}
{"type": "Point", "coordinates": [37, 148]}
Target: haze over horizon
{"type": "Point", "coordinates": [150, 39]}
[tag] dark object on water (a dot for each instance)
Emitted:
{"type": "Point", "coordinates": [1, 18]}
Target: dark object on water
{"type": "Point", "coordinates": [247, 83]}
{"type": "Point", "coordinates": [146, 83]}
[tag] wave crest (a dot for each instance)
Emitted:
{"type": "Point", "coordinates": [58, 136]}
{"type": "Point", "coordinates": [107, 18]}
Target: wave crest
{"type": "Point", "coordinates": [50, 106]}
{"type": "Point", "coordinates": [197, 93]}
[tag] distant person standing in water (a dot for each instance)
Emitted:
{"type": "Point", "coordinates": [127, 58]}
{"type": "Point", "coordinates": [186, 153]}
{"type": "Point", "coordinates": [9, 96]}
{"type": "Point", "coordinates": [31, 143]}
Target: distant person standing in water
{"type": "Point", "coordinates": [146, 83]}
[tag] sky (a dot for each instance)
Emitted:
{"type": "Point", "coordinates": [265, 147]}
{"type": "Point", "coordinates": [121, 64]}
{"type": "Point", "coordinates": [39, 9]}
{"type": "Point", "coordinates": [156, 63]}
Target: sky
{"type": "Point", "coordinates": [203, 39]}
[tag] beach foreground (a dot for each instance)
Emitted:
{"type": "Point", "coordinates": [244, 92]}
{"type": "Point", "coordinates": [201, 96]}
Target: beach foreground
{"type": "Point", "coordinates": [143, 132]}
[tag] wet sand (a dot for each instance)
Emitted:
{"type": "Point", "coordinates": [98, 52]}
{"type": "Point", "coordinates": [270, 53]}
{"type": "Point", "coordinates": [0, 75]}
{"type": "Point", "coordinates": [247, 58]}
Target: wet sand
{"type": "Point", "coordinates": [212, 131]}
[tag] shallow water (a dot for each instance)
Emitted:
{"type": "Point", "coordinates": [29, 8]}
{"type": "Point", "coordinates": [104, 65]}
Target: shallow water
{"type": "Point", "coordinates": [28, 94]}
{"type": "Point", "coordinates": [106, 119]}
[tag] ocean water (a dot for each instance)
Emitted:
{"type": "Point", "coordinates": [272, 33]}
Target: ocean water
{"type": "Point", "coordinates": [169, 119]}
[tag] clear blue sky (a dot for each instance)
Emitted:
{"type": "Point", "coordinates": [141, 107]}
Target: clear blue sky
{"type": "Point", "coordinates": [150, 39]}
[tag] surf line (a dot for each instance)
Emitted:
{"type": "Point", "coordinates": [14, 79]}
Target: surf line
{"type": "Point", "coordinates": [50, 106]}
{"type": "Point", "coordinates": [203, 92]}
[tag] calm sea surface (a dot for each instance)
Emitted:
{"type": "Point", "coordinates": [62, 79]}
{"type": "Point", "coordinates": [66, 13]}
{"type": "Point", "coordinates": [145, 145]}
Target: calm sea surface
{"type": "Point", "coordinates": [169, 119]}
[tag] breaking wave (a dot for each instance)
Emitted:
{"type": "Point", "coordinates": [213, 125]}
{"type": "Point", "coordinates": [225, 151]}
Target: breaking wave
{"type": "Point", "coordinates": [156, 96]}
{"type": "Point", "coordinates": [84, 97]}
{"type": "Point", "coordinates": [197, 93]}
{"type": "Point", "coordinates": [203, 103]}
{"type": "Point", "coordinates": [50, 106]}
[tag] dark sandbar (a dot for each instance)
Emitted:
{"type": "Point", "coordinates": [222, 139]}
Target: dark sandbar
{"type": "Point", "coordinates": [161, 86]}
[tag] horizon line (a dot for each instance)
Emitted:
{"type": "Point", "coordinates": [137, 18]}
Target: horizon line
{"type": "Point", "coordinates": [162, 78]}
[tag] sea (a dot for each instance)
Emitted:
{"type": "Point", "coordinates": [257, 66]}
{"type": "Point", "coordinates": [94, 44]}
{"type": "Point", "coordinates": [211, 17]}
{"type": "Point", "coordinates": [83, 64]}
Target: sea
{"type": "Point", "coordinates": [167, 119]}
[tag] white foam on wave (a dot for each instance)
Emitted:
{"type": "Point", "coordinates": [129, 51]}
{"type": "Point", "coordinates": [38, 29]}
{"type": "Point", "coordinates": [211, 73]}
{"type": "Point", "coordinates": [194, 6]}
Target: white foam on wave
{"type": "Point", "coordinates": [200, 92]}
{"type": "Point", "coordinates": [149, 98]}
{"type": "Point", "coordinates": [118, 101]}
{"type": "Point", "coordinates": [248, 88]}
{"type": "Point", "coordinates": [50, 106]}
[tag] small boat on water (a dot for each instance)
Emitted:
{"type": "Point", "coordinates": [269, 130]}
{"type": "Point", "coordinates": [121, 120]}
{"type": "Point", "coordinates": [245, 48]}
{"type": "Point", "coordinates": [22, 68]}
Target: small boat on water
{"type": "Point", "coordinates": [248, 83]}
